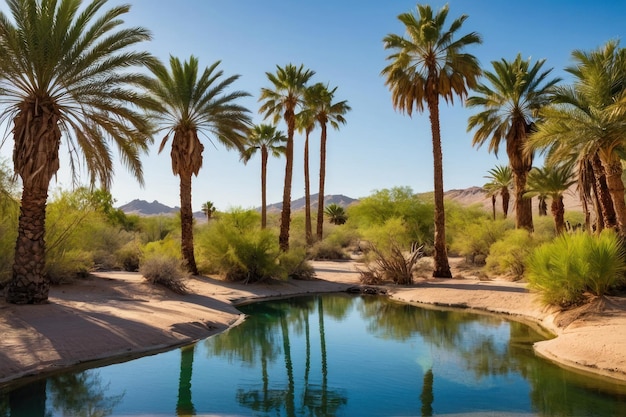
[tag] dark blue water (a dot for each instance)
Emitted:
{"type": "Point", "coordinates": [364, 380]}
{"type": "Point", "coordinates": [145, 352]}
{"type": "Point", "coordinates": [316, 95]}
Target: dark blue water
{"type": "Point", "coordinates": [334, 355]}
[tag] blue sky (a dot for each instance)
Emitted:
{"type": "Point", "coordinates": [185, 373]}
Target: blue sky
{"type": "Point", "coordinates": [341, 40]}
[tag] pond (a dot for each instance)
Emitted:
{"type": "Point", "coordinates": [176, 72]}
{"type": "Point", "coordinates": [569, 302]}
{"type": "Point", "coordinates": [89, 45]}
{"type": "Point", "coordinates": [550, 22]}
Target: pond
{"type": "Point", "coordinates": [334, 355]}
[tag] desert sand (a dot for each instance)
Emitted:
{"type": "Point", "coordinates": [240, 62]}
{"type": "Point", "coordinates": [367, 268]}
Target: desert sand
{"type": "Point", "coordinates": [116, 316]}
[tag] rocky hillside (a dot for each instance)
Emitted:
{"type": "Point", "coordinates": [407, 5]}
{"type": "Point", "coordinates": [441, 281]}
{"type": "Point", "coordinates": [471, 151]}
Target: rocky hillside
{"type": "Point", "coordinates": [300, 203]}
{"type": "Point", "coordinates": [142, 207]}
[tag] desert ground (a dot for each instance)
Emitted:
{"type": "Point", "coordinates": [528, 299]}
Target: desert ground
{"type": "Point", "coordinates": [116, 316]}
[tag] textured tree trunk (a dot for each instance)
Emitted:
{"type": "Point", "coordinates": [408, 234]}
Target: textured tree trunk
{"type": "Point", "coordinates": [604, 197]}
{"type": "Point", "coordinates": [543, 206]}
{"type": "Point", "coordinates": [557, 208]}
{"type": "Point", "coordinates": [493, 206]}
{"type": "Point", "coordinates": [613, 170]}
{"type": "Point", "coordinates": [36, 161]}
{"type": "Point", "coordinates": [186, 223]}
{"type": "Point", "coordinates": [521, 164]}
{"type": "Point", "coordinates": [441, 265]}
{"type": "Point", "coordinates": [307, 192]}
{"type": "Point", "coordinates": [264, 157]}
{"type": "Point", "coordinates": [320, 196]}
{"type": "Point", "coordinates": [285, 216]}
{"type": "Point", "coordinates": [506, 199]}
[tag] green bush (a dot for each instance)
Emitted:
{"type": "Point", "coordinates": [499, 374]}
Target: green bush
{"type": "Point", "coordinates": [165, 271]}
{"type": "Point", "coordinates": [239, 249]}
{"type": "Point", "coordinates": [508, 255]}
{"type": "Point", "coordinates": [564, 269]}
{"type": "Point", "coordinates": [473, 240]}
{"type": "Point", "coordinates": [293, 264]}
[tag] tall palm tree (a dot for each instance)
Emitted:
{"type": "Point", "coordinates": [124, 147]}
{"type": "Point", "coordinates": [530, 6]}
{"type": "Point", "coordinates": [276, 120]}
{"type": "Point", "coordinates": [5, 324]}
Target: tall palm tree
{"type": "Point", "coordinates": [283, 99]}
{"type": "Point", "coordinates": [426, 65]}
{"type": "Point", "coordinates": [64, 75]}
{"type": "Point", "coordinates": [268, 140]}
{"type": "Point", "coordinates": [193, 103]}
{"type": "Point", "coordinates": [501, 180]}
{"type": "Point", "coordinates": [208, 208]}
{"type": "Point", "coordinates": [326, 112]}
{"type": "Point", "coordinates": [510, 104]}
{"type": "Point", "coordinates": [584, 118]}
{"type": "Point", "coordinates": [553, 182]}
{"type": "Point", "coordinates": [305, 121]}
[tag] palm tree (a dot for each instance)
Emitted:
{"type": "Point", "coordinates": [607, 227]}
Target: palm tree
{"type": "Point", "coordinates": [584, 118]}
{"type": "Point", "coordinates": [326, 112]}
{"type": "Point", "coordinates": [553, 182]}
{"type": "Point", "coordinates": [64, 74]}
{"type": "Point", "coordinates": [208, 209]}
{"type": "Point", "coordinates": [305, 121]}
{"type": "Point", "coordinates": [517, 92]}
{"type": "Point", "coordinates": [268, 140]}
{"type": "Point", "coordinates": [501, 179]}
{"type": "Point", "coordinates": [426, 65]}
{"type": "Point", "coordinates": [282, 100]}
{"type": "Point", "coordinates": [336, 214]}
{"type": "Point", "coordinates": [193, 103]}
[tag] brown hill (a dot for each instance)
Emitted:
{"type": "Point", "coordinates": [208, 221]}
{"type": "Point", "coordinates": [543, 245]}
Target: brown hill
{"type": "Point", "coordinates": [477, 195]}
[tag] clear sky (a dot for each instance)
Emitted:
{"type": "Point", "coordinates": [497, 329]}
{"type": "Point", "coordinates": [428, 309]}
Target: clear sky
{"type": "Point", "coordinates": [341, 40]}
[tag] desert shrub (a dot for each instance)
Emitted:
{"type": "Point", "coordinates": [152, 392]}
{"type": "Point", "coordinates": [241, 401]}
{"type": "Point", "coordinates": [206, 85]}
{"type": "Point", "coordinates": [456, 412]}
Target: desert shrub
{"type": "Point", "coordinates": [294, 264]}
{"type": "Point", "coordinates": [390, 264]}
{"type": "Point", "coordinates": [128, 257]}
{"type": "Point", "coordinates": [459, 219]}
{"type": "Point", "coordinates": [168, 247]}
{"type": "Point", "coordinates": [416, 213]}
{"type": "Point", "coordinates": [155, 228]}
{"type": "Point", "coordinates": [8, 236]}
{"type": "Point", "coordinates": [564, 269]}
{"type": "Point", "coordinates": [392, 232]}
{"type": "Point", "coordinates": [239, 249]}
{"type": "Point", "coordinates": [166, 271]}
{"type": "Point", "coordinates": [72, 264]}
{"type": "Point", "coordinates": [508, 255]}
{"type": "Point", "coordinates": [474, 239]}
{"type": "Point", "coordinates": [327, 250]}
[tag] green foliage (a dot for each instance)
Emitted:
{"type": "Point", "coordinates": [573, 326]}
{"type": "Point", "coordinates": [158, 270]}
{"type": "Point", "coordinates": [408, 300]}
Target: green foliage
{"type": "Point", "coordinates": [128, 257]}
{"type": "Point", "coordinates": [168, 247]}
{"type": "Point", "coordinates": [8, 236]}
{"type": "Point", "coordinates": [166, 271]}
{"type": "Point", "coordinates": [293, 264]}
{"type": "Point", "coordinates": [470, 230]}
{"type": "Point", "coordinates": [474, 239]}
{"type": "Point", "coordinates": [392, 232]}
{"type": "Point", "coordinates": [154, 228]}
{"type": "Point", "coordinates": [239, 249]}
{"type": "Point", "coordinates": [564, 269]}
{"type": "Point", "coordinates": [336, 214]}
{"type": "Point", "coordinates": [327, 250]}
{"type": "Point", "coordinates": [508, 255]}
{"type": "Point", "coordinates": [416, 212]}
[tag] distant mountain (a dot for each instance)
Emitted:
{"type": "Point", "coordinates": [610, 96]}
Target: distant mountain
{"type": "Point", "coordinates": [300, 203]}
{"type": "Point", "coordinates": [145, 208]}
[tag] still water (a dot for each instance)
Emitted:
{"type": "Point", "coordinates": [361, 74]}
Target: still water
{"type": "Point", "coordinates": [334, 355]}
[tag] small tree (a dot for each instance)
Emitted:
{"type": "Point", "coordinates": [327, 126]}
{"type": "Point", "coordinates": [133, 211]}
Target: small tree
{"type": "Point", "coordinates": [336, 214]}
{"type": "Point", "coordinates": [208, 209]}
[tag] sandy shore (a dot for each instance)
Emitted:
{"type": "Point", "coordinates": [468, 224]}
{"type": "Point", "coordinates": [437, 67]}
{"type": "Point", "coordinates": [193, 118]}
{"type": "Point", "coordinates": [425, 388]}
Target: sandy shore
{"type": "Point", "coordinates": [116, 316]}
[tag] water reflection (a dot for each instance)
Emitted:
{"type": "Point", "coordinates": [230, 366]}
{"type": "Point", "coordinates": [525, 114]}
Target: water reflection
{"type": "Point", "coordinates": [333, 355]}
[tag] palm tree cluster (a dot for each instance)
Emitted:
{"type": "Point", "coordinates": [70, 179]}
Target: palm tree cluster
{"type": "Point", "coordinates": [301, 106]}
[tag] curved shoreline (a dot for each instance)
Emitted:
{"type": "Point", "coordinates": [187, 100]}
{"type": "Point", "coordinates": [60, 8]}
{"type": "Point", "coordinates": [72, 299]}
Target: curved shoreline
{"type": "Point", "coordinates": [117, 316]}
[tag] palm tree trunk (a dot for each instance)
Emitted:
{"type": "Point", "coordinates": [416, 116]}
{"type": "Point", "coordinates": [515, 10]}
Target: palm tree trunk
{"type": "Point", "coordinates": [264, 157]}
{"type": "Point", "coordinates": [558, 211]}
{"type": "Point", "coordinates": [604, 196]}
{"type": "Point", "coordinates": [285, 217]}
{"type": "Point", "coordinates": [441, 267]}
{"type": "Point", "coordinates": [320, 196]}
{"type": "Point", "coordinates": [521, 164]}
{"type": "Point", "coordinates": [506, 199]}
{"type": "Point", "coordinates": [186, 221]}
{"type": "Point", "coordinates": [29, 284]}
{"type": "Point", "coordinates": [613, 170]}
{"type": "Point", "coordinates": [36, 161]}
{"type": "Point", "coordinates": [493, 206]}
{"type": "Point", "coordinates": [307, 192]}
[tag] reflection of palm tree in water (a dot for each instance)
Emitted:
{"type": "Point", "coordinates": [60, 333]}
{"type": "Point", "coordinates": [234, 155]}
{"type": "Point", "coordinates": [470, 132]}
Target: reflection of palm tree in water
{"type": "Point", "coordinates": [427, 395]}
{"type": "Point", "coordinates": [184, 406]}
{"type": "Point", "coordinates": [290, 406]}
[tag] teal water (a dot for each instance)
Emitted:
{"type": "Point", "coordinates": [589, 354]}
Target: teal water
{"type": "Point", "coordinates": [334, 355]}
